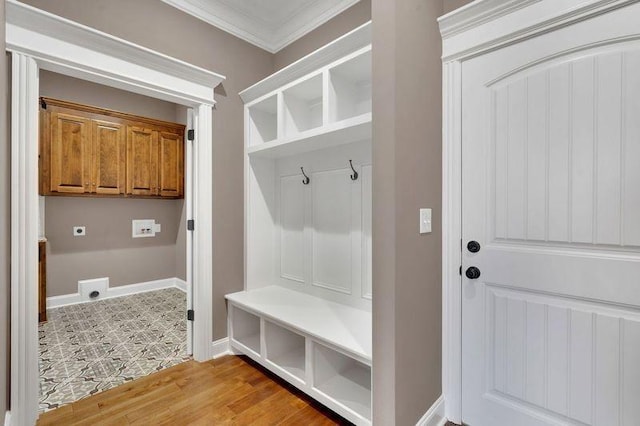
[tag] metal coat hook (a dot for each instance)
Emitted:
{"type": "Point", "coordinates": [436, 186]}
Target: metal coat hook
{"type": "Point", "coordinates": [354, 176]}
{"type": "Point", "coordinates": [306, 179]}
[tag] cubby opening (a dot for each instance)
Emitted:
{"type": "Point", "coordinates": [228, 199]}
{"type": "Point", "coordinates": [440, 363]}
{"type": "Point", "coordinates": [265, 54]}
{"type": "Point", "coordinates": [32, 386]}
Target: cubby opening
{"type": "Point", "coordinates": [263, 121]}
{"type": "Point", "coordinates": [285, 349]}
{"type": "Point", "coordinates": [350, 88]}
{"type": "Point", "coordinates": [343, 379]}
{"type": "Point", "coordinates": [303, 106]}
{"type": "Point", "coordinates": [246, 329]}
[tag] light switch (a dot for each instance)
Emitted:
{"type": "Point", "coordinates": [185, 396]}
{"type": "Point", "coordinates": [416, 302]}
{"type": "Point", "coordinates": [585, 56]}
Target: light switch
{"type": "Point", "coordinates": [425, 221]}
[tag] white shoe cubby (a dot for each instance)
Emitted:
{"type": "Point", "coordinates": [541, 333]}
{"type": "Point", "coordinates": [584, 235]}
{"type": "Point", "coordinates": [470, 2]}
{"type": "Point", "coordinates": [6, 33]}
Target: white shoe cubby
{"type": "Point", "coordinates": [305, 312]}
{"type": "Point", "coordinates": [285, 349]}
{"type": "Point", "coordinates": [246, 330]}
{"type": "Point", "coordinates": [342, 379]}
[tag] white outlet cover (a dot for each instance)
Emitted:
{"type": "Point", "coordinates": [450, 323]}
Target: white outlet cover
{"type": "Point", "coordinates": [425, 221]}
{"type": "Point", "coordinates": [143, 228]}
{"type": "Point", "coordinates": [79, 231]}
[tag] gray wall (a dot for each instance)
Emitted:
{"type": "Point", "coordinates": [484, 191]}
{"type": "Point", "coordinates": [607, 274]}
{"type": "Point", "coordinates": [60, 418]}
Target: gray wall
{"type": "Point", "coordinates": [407, 137]}
{"type": "Point", "coordinates": [5, 170]}
{"type": "Point", "coordinates": [163, 28]}
{"type": "Point", "coordinates": [341, 24]}
{"type": "Point", "coordinates": [108, 249]}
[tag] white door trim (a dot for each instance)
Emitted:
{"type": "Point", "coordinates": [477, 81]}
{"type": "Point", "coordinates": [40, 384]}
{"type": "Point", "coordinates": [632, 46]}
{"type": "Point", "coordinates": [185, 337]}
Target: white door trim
{"type": "Point", "coordinates": [40, 40]}
{"type": "Point", "coordinates": [475, 29]}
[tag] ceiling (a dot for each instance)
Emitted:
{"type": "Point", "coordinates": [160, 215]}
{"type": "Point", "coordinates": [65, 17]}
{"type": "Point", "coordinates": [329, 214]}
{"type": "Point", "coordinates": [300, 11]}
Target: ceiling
{"type": "Point", "coordinates": [269, 24]}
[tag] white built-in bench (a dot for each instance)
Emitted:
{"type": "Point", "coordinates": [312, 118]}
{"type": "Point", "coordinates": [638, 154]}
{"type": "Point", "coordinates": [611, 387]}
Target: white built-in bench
{"type": "Point", "coordinates": [321, 347]}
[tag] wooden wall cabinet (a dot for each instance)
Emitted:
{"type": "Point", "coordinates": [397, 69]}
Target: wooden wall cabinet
{"type": "Point", "coordinates": [89, 151]}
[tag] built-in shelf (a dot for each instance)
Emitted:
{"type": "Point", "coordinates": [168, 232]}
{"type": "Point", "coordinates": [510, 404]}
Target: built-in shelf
{"type": "Point", "coordinates": [263, 121]}
{"type": "Point", "coordinates": [350, 88]}
{"type": "Point", "coordinates": [285, 349]}
{"type": "Point", "coordinates": [303, 106]}
{"type": "Point", "coordinates": [246, 330]}
{"type": "Point", "coordinates": [335, 134]}
{"type": "Point", "coordinates": [343, 379]}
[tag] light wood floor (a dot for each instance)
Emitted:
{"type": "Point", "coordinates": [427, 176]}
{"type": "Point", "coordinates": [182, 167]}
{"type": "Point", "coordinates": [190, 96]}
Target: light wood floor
{"type": "Point", "coordinates": [228, 391]}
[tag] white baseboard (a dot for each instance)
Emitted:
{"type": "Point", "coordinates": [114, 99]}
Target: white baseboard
{"type": "Point", "coordinates": [435, 415]}
{"type": "Point", "coordinates": [124, 290]}
{"type": "Point", "coordinates": [181, 284]}
{"type": "Point", "coordinates": [220, 348]}
{"type": "Point", "coordinates": [7, 418]}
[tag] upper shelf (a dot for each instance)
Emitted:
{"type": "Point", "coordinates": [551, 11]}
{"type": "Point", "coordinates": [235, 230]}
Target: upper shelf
{"type": "Point", "coordinates": [329, 107]}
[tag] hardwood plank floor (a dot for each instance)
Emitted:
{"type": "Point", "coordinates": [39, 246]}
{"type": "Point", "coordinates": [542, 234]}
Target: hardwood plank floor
{"type": "Point", "coordinates": [230, 390]}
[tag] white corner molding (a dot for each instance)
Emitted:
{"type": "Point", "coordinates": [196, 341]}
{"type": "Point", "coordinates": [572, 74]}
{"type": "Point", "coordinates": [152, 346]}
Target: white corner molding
{"type": "Point", "coordinates": [7, 418]}
{"type": "Point", "coordinates": [41, 40]}
{"type": "Point", "coordinates": [472, 30]}
{"type": "Point", "coordinates": [270, 26]}
{"type": "Point", "coordinates": [119, 291]}
{"type": "Point", "coordinates": [58, 44]}
{"type": "Point", "coordinates": [220, 348]}
{"type": "Point", "coordinates": [340, 47]}
{"type": "Point", "coordinates": [434, 415]}
{"type": "Point", "coordinates": [24, 239]}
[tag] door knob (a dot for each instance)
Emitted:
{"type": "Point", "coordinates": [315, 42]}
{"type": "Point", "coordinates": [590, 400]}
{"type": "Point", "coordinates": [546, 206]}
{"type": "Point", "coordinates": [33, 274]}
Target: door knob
{"type": "Point", "coordinates": [473, 246]}
{"type": "Point", "coordinates": [472, 273]}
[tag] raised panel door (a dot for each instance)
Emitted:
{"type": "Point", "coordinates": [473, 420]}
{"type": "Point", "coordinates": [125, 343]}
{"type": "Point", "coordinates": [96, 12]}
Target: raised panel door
{"type": "Point", "coordinates": [550, 144]}
{"type": "Point", "coordinates": [142, 161]}
{"type": "Point", "coordinates": [171, 164]}
{"type": "Point", "coordinates": [108, 164]}
{"type": "Point", "coordinates": [70, 153]}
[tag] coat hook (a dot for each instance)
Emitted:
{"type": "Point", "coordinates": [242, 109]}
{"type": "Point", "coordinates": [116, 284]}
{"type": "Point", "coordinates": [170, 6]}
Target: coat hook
{"type": "Point", "coordinates": [354, 176]}
{"type": "Point", "coordinates": [306, 179]}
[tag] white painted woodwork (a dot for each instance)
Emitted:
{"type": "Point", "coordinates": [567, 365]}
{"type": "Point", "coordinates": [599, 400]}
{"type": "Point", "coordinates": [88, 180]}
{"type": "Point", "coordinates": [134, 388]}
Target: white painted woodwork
{"type": "Point", "coordinates": [321, 347]}
{"type": "Point", "coordinates": [480, 29]}
{"type": "Point", "coordinates": [546, 131]}
{"type": "Point", "coordinates": [24, 240]}
{"type": "Point", "coordinates": [271, 25]}
{"type": "Point", "coordinates": [305, 313]}
{"type": "Point", "coordinates": [40, 40]}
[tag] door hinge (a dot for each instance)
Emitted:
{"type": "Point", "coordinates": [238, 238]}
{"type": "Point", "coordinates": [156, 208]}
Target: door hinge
{"type": "Point", "coordinates": [190, 315]}
{"type": "Point", "coordinates": [460, 270]}
{"type": "Point", "coordinates": [191, 134]}
{"type": "Point", "coordinates": [191, 225]}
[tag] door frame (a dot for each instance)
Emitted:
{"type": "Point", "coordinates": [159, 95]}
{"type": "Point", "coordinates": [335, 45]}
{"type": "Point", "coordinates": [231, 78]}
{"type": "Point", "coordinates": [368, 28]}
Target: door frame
{"type": "Point", "coordinates": [40, 40]}
{"type": "Point", "coordinates": [475, 29]}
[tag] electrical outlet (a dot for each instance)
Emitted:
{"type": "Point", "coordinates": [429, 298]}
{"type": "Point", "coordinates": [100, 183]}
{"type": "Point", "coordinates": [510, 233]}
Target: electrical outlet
{"type": "Point", "coordinates": [143, 228]}
{"type": "Point", "coordinates": [79, 231]}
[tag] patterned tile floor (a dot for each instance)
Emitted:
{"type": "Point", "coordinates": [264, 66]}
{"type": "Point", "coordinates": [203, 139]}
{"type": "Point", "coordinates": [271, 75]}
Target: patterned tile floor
{"type": "Point", "coordinates": [92, 347]}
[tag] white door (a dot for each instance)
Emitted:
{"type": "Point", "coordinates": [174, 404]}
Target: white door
{"type": "Point", "coordinates": [551, 192]}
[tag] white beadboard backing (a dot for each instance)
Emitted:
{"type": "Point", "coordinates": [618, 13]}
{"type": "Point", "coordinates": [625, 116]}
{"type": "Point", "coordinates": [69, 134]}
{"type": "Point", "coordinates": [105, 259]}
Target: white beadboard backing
{"type": "Point", "coordinates": [566, 146]}
{"type": "Point", "coordinates": [576, 359]}
{"type": "Point", "coordinates": [322, 236]}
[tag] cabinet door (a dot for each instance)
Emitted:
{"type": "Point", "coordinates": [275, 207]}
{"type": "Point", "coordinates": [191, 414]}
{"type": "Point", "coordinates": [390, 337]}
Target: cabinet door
{"type": "Point", "coordinates": [70, 153]}
{"type": "Point", "coordinates": [108, 158]}
{"type": "Point", "coordinates": [142, 161]}
{"type": "Point", "coordinates": [171, 164]}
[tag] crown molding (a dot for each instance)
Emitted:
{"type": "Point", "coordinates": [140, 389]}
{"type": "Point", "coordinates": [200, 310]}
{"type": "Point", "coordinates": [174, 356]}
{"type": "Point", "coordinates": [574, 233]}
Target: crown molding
{"type": "Point", "coordinates": [272, 34]}
{"type": "Point", "coordinates": [342, 46]}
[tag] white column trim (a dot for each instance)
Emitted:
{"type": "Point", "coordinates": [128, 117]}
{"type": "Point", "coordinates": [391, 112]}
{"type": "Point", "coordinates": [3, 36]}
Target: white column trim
{"type": "Point", "coordinates": [202, 235]}
{"type": "Point", "coordinates": [24, 239]}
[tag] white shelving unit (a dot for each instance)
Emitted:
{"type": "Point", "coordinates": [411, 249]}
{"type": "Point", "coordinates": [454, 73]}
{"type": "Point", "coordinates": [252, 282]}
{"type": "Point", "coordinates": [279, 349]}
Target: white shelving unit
{"type": "Point", "coordinates": [305, 313]}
